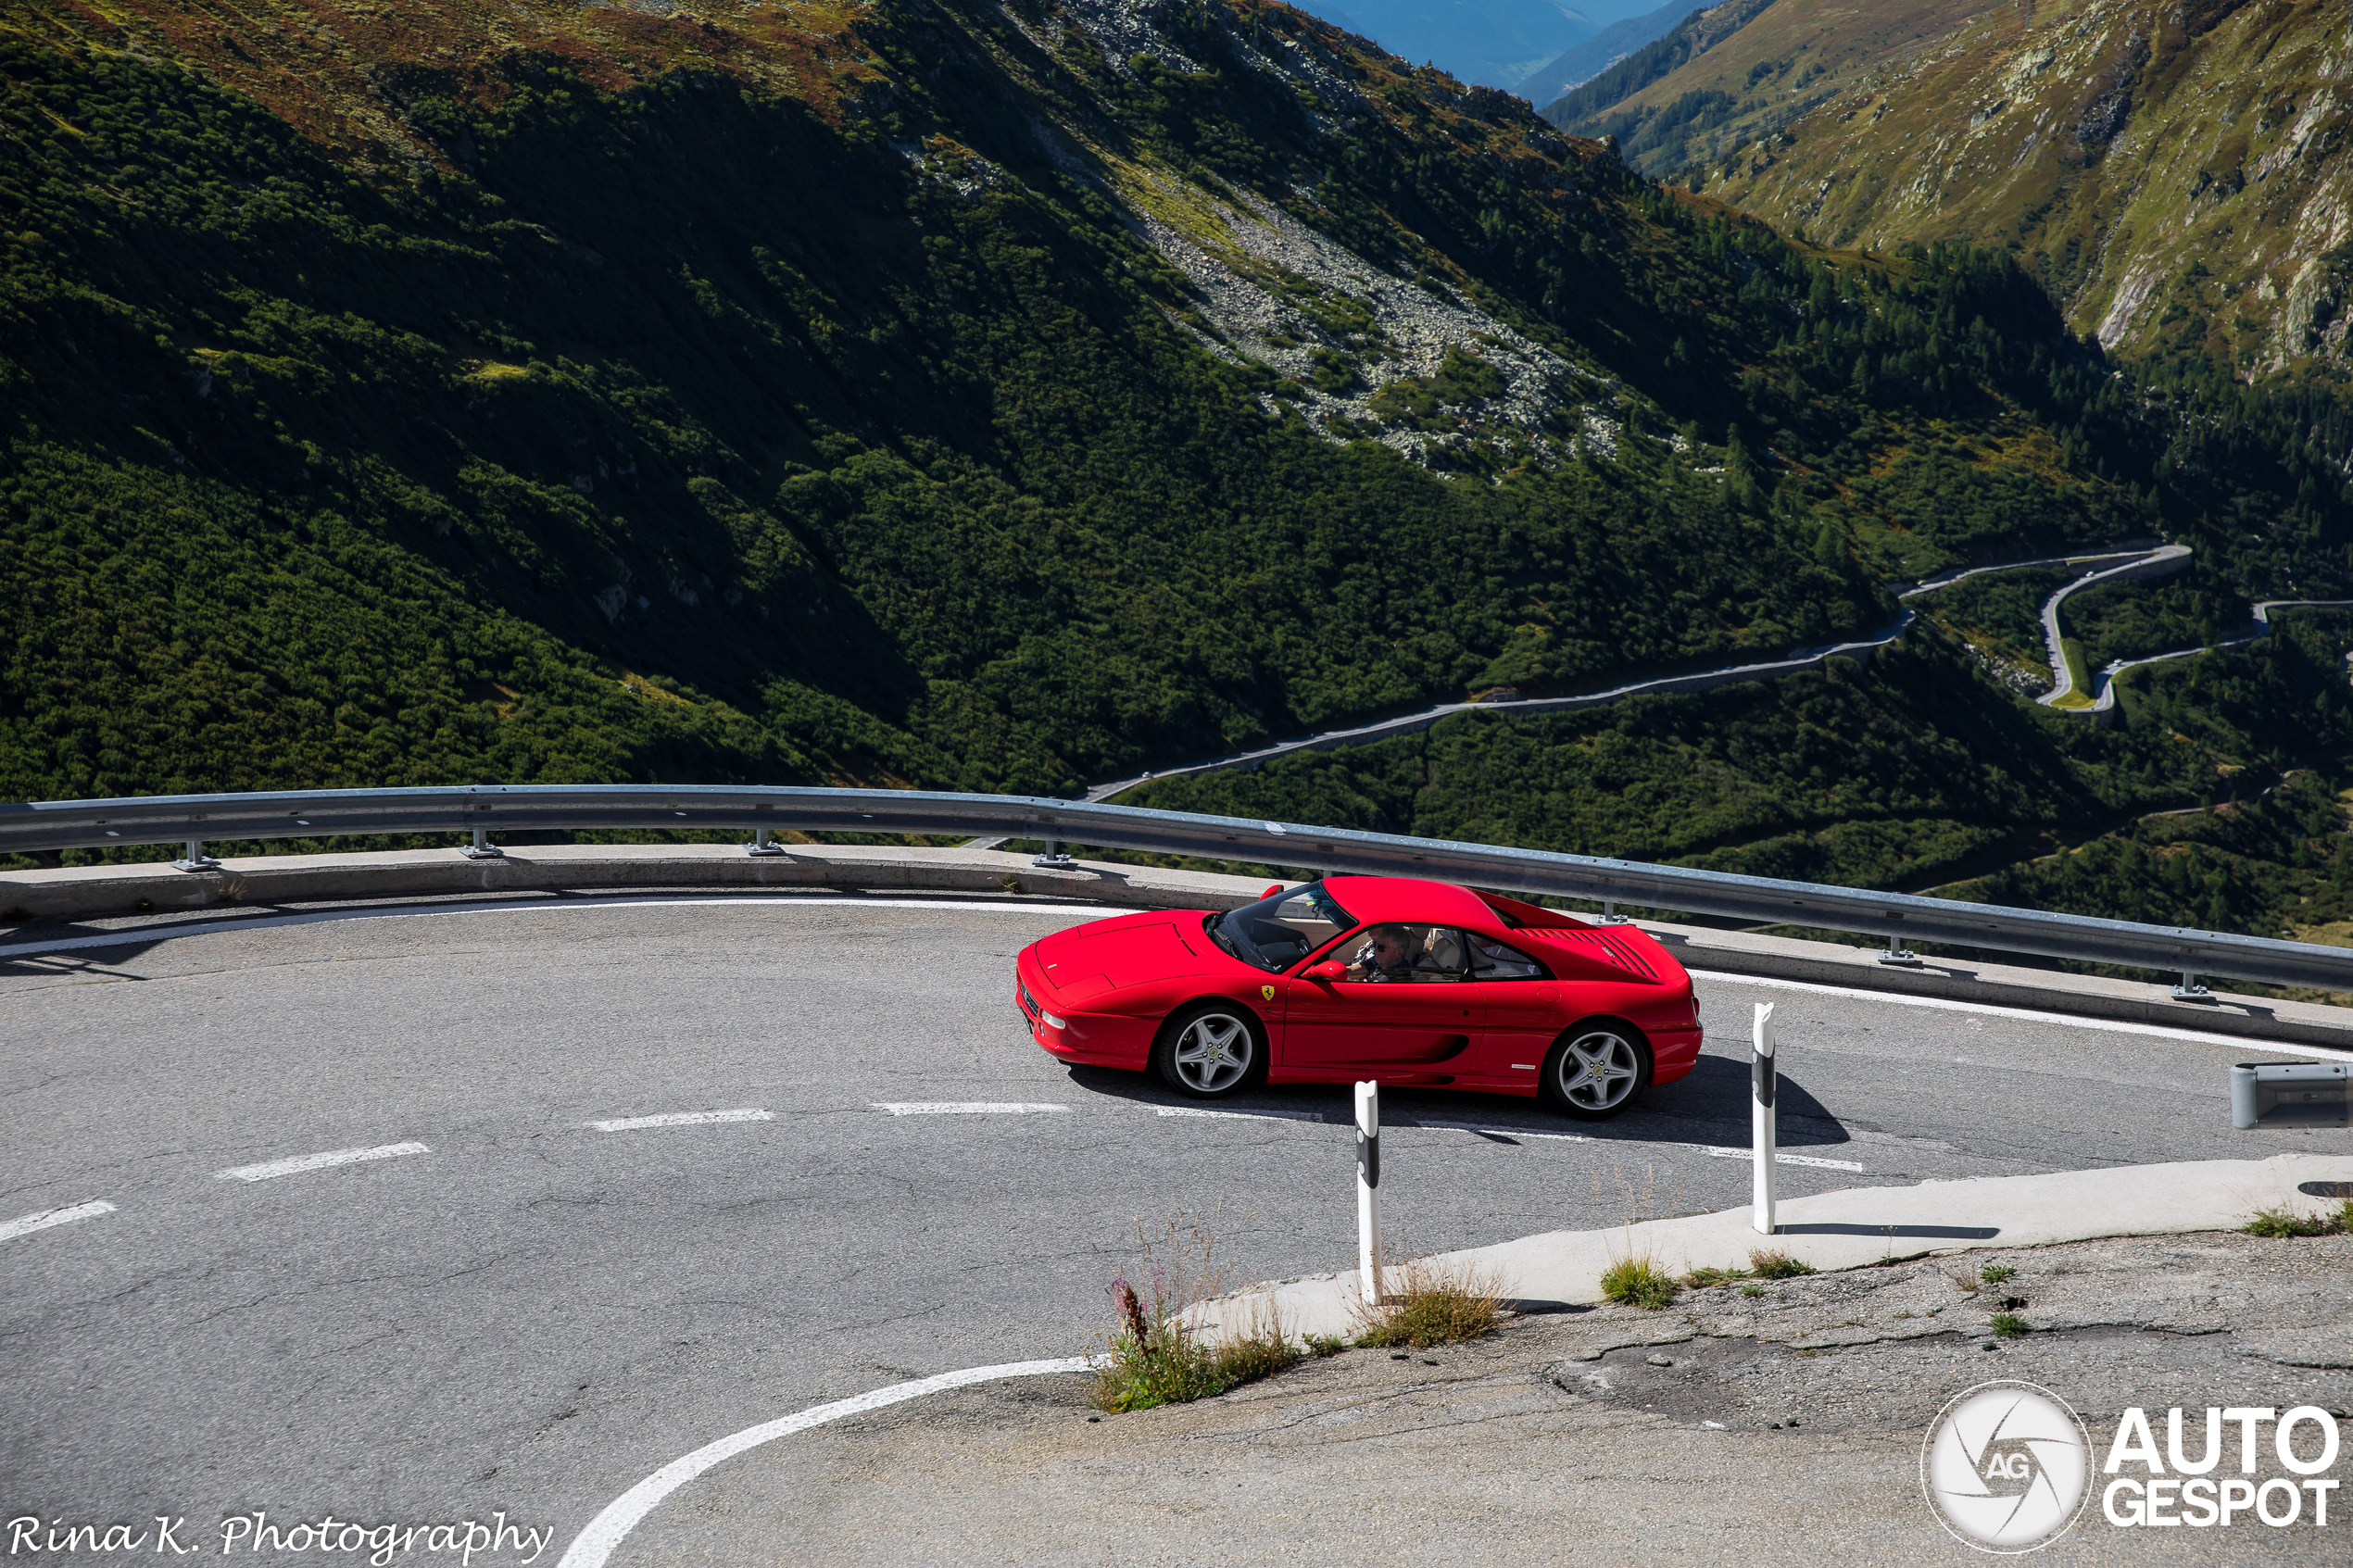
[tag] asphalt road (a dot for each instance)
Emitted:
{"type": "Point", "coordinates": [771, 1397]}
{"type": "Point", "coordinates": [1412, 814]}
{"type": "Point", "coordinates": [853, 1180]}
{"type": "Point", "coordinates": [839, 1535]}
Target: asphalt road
{"type": "Point", "coordinates": [531, 1314]}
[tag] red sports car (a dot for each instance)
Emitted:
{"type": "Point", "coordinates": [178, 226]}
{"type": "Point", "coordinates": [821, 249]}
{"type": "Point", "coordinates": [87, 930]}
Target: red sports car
{"type": "Point", "coordinates": [1410, 983]}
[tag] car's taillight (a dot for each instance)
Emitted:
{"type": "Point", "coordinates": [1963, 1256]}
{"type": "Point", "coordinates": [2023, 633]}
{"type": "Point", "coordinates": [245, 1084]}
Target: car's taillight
{"type": "Point", "coordinates": [1051, 1021]}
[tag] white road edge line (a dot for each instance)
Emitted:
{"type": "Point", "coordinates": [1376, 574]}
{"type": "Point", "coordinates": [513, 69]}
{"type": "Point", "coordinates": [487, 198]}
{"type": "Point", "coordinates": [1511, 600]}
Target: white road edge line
{"type": "Point", "coordinates": [1781, 1158]}
{"type": "Point", "coordinates": [596, 1543]}
{"type": "Point", "coordinates": [11, 1229]}
{"type": "Point", "coordinates": [682, 1119]}
{"type": "Point", "coordinates": [963, 1108]}
{"type": "Point", "coordinates": [301, 1162]}
{"type": "Point", "coordinates": [272, 922]}
{"type": "Point", "coordinates": [2108, 1026]}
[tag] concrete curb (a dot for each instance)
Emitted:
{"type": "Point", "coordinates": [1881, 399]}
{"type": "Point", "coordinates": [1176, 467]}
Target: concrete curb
{"type": "Point", "coordinates": [82, 893]}
{"type": "Point", "coordinates": [1852, 1228]}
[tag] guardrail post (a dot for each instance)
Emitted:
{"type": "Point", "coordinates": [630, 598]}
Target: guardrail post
{"type": "Point", "coordinates": [2192, 990]}
{"type": "Point", "coordinates": [1368, 1191]}
{"type": "Point", "coordinates": [194, 859]}
{"type": "Point", "coordinates": [1055, 857]}
{"type": "Point", "coordinates": [1610, 915]}
{"type": "Point", "coordinates": [482, 848]}
{"type": "Point", "coordinates": [760, 844]}
{"type": "Point", "coordinates": [1764, 1132]}
{"type": "Point", "coordinates": [1898, 954]}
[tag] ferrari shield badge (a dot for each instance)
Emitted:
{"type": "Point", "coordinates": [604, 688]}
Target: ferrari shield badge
{"type": "Point", "coordinates": [1266, 992]}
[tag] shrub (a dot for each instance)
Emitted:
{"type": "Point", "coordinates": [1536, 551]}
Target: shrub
{"type": "Point", "coordinates": [1431, 1304]}
{"type": "Point", "coordinates": [1638, 1282]}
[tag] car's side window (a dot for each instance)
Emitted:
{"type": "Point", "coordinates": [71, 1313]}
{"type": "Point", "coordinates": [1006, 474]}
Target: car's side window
{"type": "Point", "coordinates": [1406, 953]}
{"type": "Point", "coordinates": [1490, 960]}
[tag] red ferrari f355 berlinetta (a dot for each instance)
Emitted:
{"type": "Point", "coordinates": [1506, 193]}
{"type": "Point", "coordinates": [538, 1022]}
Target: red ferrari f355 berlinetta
{"type": "Point", "coordinates": [1407, 982]}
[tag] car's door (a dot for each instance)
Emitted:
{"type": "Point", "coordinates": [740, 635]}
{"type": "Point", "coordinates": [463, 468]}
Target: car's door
{"type": "Point", "coordinates": [1521, 1001]}
{"type": "Point", "coordinates": [1416, 1012]}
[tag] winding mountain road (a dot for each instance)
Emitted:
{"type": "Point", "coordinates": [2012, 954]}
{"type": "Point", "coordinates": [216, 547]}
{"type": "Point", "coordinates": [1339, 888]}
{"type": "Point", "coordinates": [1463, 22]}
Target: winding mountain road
{"type": "Point", "coordinates": [2138, 558]}
{"type": "Point", "coordinates": [2103, 683]}
{"type": "Point", "coordinates": [2138, 561]}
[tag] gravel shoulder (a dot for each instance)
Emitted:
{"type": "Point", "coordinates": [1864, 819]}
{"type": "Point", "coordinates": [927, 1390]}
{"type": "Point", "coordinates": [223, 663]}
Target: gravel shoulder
{"type": "Point", "coordinates": [1781, 1427]}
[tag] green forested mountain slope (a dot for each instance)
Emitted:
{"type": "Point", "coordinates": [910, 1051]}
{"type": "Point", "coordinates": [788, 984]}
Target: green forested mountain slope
{"type": "Point", "coordinates": [947, 395]}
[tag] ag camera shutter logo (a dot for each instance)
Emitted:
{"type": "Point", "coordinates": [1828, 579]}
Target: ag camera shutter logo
{"type": "Point", "coordinates": [2007, 1467]}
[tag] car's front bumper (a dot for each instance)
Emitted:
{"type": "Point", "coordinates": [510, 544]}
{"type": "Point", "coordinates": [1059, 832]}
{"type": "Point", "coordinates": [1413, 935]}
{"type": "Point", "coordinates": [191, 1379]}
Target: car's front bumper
{"type": "Point", "coordinates": [1094, 1039]}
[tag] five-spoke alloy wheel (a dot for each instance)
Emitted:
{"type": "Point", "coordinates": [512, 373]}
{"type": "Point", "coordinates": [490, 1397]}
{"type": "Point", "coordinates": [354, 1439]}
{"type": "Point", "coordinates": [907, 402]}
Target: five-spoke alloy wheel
{"type": "Point", "coordinates": [1209, 1051]}
{"type": "Point", "coordinates": [1596, 1070]}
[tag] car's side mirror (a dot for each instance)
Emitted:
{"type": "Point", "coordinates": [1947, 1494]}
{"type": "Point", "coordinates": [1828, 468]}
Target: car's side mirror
{"type": "Point", "coordinates": [1331, 968]}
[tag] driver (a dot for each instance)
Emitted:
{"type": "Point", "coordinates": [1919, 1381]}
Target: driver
{"type": "Point", "coordinates": [1386, 955]}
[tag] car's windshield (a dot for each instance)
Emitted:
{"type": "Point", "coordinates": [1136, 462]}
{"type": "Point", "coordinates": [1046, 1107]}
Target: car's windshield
{"type": "Point", "coordinates": [1281, 929]}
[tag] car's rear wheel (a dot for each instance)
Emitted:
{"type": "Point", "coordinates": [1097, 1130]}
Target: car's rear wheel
{"type": "Point", "coordinates": [1596, 1069]}
{"type": "Point", "coordinates": [1211, 1051]}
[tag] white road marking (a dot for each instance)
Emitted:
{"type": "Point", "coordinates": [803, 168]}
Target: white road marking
{"type": "Point", "coordinates": [1485, 1127]}
{"type": "Point", "coordinates": [1243, 1115]}
{"type": "Point", "coordinates": [595, 1544]}
{"type": "Point", "coordinates": [681, 1119]}
{"type": "Point", "coordinates": [962, 1107]}
{"type": "Point", "coordinates": [11, 1229]}
{"type": "Point", "coordinates": [571, 906]}
{"type": "Point", "coordinates": [302, 1162]}
{"type": "Point", "coordinates": [2108, 1025]}
{"type": "Point", "coordinates": [1781, 1158]}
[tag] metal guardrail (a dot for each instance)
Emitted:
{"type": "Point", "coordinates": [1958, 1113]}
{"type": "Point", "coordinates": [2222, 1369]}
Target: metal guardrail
{"type": "Point", "coordinates": [2290, 1094]}
{"type": "Point", "coordinates": [476, 812]}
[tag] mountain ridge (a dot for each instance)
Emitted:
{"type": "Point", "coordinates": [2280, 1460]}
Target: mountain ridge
{"type": "Point", "coordinates": [2172, 173]}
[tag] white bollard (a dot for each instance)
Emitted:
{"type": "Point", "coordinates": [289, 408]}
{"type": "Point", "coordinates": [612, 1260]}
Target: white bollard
{"type": "Point", "coordinates": [1368, 1190]}
{"type": "Point", "coordinates": [1761, 1082]}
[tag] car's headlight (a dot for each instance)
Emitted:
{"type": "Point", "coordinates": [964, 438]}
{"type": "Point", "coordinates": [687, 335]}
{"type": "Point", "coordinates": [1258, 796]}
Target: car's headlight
{"type": "Point", "coordinates": [1051, 1021]}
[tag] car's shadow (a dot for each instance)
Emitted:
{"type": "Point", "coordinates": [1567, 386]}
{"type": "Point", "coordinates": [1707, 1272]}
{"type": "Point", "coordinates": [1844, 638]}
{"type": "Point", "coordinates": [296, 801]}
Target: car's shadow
{"type": "Point", "coordinates": [1707, 1106]}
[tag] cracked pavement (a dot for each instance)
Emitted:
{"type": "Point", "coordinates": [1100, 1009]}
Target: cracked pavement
{"type": "Point", "coordinates": [1784, 1428]}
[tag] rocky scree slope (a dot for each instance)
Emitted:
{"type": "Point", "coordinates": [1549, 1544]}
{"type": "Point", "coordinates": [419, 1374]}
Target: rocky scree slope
{"type": "Point", "coordinates": [947, 393]}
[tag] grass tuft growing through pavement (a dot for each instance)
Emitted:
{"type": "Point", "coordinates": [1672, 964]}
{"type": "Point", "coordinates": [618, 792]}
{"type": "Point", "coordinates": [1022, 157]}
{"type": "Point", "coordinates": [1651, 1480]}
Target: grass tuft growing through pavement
{"type": "Point", "coordinates": [2009, 1325]}
{"type": "Point", "coordinates": [1762, 1264]}
{"type": "Point", "coordinates": [2282, 1222]}
{"type": "Point", "coordinates": [1638, 1280]}
{"type": "Point", "coordinates": [1154, 1357]}
{"type": "Point", "coordinates": [1431, 1303]}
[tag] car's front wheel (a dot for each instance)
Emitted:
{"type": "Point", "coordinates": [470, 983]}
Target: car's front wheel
{"type": "Point", "coordinates": [1211, 1051]}
{"type": "Point", "coordinates": [1596, 1069]}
